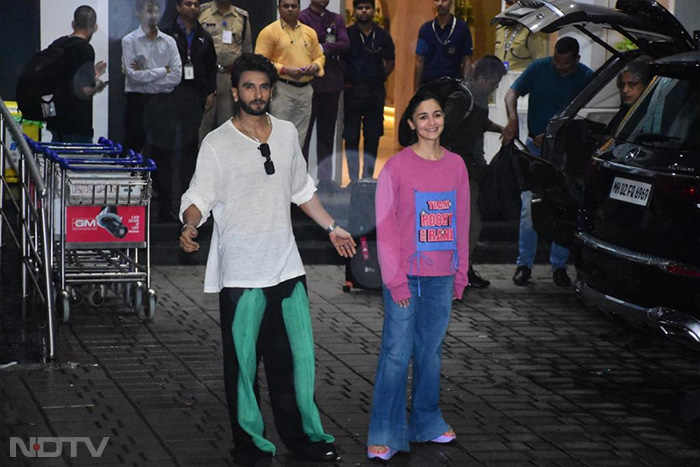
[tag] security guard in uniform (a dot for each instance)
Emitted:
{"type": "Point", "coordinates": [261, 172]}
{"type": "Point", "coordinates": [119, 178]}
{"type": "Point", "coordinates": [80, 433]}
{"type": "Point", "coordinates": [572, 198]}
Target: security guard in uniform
{"type": "Point", "coordinates": [229, 26]}
{"type": "Point", "coordinates": [516, 46]}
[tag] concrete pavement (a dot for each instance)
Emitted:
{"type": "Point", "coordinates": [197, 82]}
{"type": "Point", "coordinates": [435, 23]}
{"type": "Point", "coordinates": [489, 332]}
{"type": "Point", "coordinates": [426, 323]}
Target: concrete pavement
{"type": "Point", "coordinates": [530, 378]}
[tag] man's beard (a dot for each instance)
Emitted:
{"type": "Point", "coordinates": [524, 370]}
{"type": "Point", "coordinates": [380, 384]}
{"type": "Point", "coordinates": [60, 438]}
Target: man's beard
{"type": "Point", "coordinates": [251, 111]}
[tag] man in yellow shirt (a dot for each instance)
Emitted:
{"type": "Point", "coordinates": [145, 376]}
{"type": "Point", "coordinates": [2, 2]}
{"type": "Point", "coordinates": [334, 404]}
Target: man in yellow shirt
{"type": "Point", "coordinates": [229, 26]}
{"type": "Point", "coordinates": [295, 51]}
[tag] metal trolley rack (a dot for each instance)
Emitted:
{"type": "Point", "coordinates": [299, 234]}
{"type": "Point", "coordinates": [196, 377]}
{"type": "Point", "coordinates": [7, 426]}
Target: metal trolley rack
{"type": "Point", "coordinates": [99, 216]}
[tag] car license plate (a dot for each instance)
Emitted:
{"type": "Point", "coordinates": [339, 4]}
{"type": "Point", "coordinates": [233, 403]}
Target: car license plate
{"type": "Point", "coordinates": [630, 191]}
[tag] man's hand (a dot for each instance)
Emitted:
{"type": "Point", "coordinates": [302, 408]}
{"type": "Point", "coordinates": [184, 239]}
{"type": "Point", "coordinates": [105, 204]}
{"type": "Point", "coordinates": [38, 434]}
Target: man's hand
{"type": "Point", "coordinates": [537, 140]}
{"type": "Point", "coordinates": [293, 72]}
{"type": "Point", "coordinates": [209, 103]}
{"type": "Point", "coordinates": [510, 132]}
{"type": "Point", "coordinates": [310, 70]}
{"type": "Point", "coordinates": [135, 66]}
{"type": "Point", "coordinates": [100, 86]}
{"type": "Point", "coordinates": [343, 242]}
{"type": "Point", "coordinates": [187, 243]}
{"type": "Point", "coordinates": [100, 68]}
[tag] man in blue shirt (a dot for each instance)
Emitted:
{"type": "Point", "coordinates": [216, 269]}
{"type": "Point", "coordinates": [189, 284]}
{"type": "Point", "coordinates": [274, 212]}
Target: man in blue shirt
{"type": "Point", "coordinates": [444, 47]}
{"type": "Point", "coordinates": [552, 83]}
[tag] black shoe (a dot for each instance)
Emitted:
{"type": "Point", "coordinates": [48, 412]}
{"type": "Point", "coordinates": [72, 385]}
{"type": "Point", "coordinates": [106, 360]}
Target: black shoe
{"type": "Point", "coordinates": [561, 278]}
{"type": "Point", "coordinates": [321, 452]}
{"type": "Point", "coordinates": [522, 275]}
{"type": "Point", "coordinates": [475, 280]}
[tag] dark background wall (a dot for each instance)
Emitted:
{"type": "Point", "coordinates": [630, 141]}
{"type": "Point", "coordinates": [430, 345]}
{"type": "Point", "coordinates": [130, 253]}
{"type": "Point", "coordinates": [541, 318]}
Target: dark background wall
{"type": "Point", "coordinates": [19, 40]}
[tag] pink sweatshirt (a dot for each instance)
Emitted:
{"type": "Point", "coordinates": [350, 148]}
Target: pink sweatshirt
{"type": "Point", "coordinates": [404, 174]}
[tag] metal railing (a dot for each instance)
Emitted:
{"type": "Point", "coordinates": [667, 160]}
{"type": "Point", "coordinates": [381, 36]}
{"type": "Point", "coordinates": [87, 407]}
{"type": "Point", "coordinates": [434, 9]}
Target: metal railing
{"type": "Point", "coordinates": [27, 200]}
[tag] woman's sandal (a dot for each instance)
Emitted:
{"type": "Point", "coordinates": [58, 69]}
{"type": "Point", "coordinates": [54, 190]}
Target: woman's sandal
{"type": "Point", "coordinates": [446, 437]}
{"type": "Point", "coordinates": [383, 455]}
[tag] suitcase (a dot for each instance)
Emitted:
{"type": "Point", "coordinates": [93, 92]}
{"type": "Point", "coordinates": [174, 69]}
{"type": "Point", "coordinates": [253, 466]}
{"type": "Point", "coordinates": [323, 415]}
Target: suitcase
{"type": "Point", "coordinates": [362, 270]}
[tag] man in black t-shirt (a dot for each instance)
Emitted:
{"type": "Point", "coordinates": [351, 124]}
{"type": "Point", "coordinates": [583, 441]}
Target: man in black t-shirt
{"type": "Point", "coordinates": [370, 61]}
{"type": "Point", "coordinates": [80, 81]}
{"type": "Point", "coordinates": [466, 109]}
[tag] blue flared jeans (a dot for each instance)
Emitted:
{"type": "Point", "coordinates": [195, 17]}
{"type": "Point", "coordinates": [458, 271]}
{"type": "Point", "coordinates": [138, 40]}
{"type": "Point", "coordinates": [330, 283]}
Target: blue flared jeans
{"type": "Point", "coordinates": [416, 331]}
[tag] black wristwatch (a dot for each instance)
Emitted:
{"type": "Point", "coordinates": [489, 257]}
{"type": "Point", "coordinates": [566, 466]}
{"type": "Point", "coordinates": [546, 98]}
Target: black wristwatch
{"type": "Point", "coordinates": [331, 227]}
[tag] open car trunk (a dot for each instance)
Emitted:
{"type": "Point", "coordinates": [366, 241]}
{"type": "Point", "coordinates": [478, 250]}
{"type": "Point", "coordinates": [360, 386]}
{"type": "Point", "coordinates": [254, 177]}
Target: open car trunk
{"type": "Point", "coordinates": [558, 176]}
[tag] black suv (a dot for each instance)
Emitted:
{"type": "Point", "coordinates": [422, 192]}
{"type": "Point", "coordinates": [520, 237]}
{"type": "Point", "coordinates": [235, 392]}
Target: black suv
{"type": "Point", "coordinates": [629, 209]}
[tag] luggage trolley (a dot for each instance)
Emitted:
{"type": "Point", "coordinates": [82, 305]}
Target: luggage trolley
{"type": "Point", "coordinates": [104, 152]}
{"type": "Point", "coordinates": [100, 217]}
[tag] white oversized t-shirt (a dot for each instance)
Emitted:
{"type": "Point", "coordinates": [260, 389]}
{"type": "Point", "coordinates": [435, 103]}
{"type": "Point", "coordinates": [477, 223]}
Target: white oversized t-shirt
{"type": "Point", "coordinates": [252, 244]}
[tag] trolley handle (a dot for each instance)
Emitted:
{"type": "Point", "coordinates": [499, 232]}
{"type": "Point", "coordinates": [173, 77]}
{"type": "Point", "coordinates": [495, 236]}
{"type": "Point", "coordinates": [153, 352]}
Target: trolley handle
{"type": "Point", "coordinates": [104, 146]}
{"type": "Point", "coordinates": [108, 142]}
{"type": "Point", "coordinates": [69, 164]}
{"type": "Point", "coordinates": [133, 158]}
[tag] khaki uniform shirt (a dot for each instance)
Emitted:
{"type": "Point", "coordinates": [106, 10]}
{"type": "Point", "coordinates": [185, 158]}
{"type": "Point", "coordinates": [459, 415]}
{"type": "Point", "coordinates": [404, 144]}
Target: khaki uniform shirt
{"type": "Point", "coordinates": [519, 47]}
{"type": "Point", "coordinates": [237, 22]}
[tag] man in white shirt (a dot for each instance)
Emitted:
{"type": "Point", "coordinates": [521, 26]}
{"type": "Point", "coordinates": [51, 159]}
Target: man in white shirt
{"type": "Point", "coordinates": [248, 172]}
{"type": "Point", "coordinates": [152, 65]}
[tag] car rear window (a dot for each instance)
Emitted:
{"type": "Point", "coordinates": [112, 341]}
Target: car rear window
{"type": "Point", "coordinates": [666, 117]}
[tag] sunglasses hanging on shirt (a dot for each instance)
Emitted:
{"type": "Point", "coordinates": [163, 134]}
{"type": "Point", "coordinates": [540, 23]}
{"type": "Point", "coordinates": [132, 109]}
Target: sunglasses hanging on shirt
{"type": "Point", "coordinates": [265, 152]}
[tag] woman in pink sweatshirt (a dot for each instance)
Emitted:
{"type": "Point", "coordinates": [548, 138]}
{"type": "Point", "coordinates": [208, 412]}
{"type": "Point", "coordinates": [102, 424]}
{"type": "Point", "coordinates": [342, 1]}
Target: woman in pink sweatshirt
{"type": "Point", "coordinates": [422, 207]}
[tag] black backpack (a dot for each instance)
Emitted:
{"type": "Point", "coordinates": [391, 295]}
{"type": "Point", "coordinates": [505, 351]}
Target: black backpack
{"type": "Point", "coordinates": [39, 80]}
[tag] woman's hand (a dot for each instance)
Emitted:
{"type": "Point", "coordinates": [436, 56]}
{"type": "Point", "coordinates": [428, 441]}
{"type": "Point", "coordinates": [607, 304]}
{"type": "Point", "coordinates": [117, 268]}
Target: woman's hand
{"type": "Point", "coordinates": [404, 303]}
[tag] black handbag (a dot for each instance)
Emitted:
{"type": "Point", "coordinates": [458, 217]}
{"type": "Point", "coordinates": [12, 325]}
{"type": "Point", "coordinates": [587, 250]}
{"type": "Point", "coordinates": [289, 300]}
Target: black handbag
{"type": "Point", "coordinates": [499, 190]}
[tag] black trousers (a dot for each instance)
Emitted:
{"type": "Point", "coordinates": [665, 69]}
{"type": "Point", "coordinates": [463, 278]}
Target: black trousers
{"type": "Point", "coordinates": [256, 326]}
{"type": "Point", "coordinates": [134, 130]}
{"type": "Point", "coordinates": [364, 112]}
{"type": "Point", "coordinates": [165, 127]}
{"type": "Point", "coordinates": [324, 114]}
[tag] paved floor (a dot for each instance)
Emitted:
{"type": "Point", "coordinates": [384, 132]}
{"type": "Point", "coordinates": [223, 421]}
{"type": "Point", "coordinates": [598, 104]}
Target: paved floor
{"type": "Point", "coordinates": [530, 378]}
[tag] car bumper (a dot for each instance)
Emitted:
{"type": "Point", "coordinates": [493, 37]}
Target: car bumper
{"type": "Point", "coordinates": [676, 324]}
{"type": "Point", "coordinates": [641, 289]}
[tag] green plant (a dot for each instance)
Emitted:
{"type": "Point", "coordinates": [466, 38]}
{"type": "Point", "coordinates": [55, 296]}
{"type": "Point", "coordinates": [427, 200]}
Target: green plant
{"type": "Point", "coordinates": [625, 45]}
{"type": "Point", "coordinates": [465, 11]}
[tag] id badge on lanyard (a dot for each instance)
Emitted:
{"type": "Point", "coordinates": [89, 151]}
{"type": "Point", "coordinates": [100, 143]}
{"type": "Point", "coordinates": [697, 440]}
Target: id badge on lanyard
{"type": "Point", "coordinates": [188, 70]}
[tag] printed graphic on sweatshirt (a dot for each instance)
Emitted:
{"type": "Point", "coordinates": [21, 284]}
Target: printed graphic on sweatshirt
{"type": "Point", "coordinates": [436, 226]}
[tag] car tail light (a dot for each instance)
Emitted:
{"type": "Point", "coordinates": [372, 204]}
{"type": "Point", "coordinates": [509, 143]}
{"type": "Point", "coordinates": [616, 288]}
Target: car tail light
{"type": "Point", "coordinates": [684, 191]}
{"type": "Point", "coordinates": [683, 271]}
